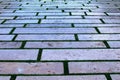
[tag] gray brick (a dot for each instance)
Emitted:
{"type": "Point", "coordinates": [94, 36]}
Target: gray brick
{"type": "Point", "coordinates": [16, 54]}
{"type": "Point", "coordinates": [94, 67]}
{"type": "Point", "coordinates": [6, 17]}
{"type": "Point", "coordinates": [112, 20]}
{"type": "Point", "coordinates": [11, 25]}
{"type": "Point", "coordinates": [17, 14]}
{"type": "Point", "coordinates": [94, 14]}
{"type": "Point", "coordinates": [54, 30]}
{"type": "Point", "coordinates": [88, 77]}
{"type": "Point", "coordinates": [31, 68]}
{"type": "Point", "coordinates": [115, 77]}
{"type": "Point", "coordinates": [30, 17]}
{"type": "Point", "coordinates": [4, 77]}
{"type": "Point", "coordinates": [10, 44]}
{"type": "Point", "coordinates": [99, 36]}
{"type": "Point", "coordinates": [63, 17]}
{"type": "Point", "coordinates": [110, 30]}
{"type": "Point", "coordinates": [114, 14]}
{"type": "Point", "coordinates": [71, 21]}
{"type": "Point", "coordinates": [64, 45]}
{"type": "Point", "coordinates": [45, 37]}
{"type": "Point", "coordinates": [54, 13]}
{"type": "Point", "coordinates": [77, 13]}
{"type": "Point", "coordinates": [5, 30]}
{"type": "Point", "coordinates": [81, 54]}
{"type": "Point", "coordinates": [114, 44]}
{"type": "Point", "coordinates": [6, 37]}
{"type": "Point", "coordinates": [21, 21]}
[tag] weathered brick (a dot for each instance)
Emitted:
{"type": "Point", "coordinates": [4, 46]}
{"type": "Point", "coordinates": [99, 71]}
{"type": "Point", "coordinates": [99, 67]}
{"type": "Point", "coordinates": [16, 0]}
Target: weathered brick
{"type": "Point", "coordinates": [10, 44]}
{"type": "Point", "coordinates": [31, 68]}
{"type": "Point", "coordinates": [5, 30]}
{"type": "Point", "coordinates": [110, 30]}
{"type": "Point", "coordinates": [64, 45]}
{"type": "Point", "coordinates": [99, 37]}
{"type": "Point", "coordinates": [6, 37]}
{"type": "Point", "coordinates": [115, 77]}
{"type": "Point", "coordinates": [18, 54]}
{"type": "Point", "coordinates": [94, 67]}
{"type": "Point", "coordinates": [54, 30]}
{"type": "Point", "coordinates": [81, 54]}
{"type": "Point", "coordinates": [87, 77]}
{"type": "Point", "coordinates": [45, 37]}
{"type": "Point", "coordinates": [21, 21]}
{"type": "Point", "coordinates": [4, 77]}
{"type": "Point", "coordinates": [71, 21]}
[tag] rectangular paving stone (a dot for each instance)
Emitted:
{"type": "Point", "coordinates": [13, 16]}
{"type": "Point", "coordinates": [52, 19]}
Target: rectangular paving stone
{"type": "Point", "coordinates": [18, 54]}
{"type": "Point", "coordinates": [57, 13]}
{"type": "Point", "coordinates": [94, 14]}
{"type": "Point", "coordinates": [114, 14]}
{"type": "Point", "coordinates": [17, 14]}
{"type": "Point", "coordinates": [99, 36]}
{"type": "Point", "coordinates": [1, 17]}
{"type": "Point", "coordinates": [4, 77]}
{"type": "Point", "coordinates": [110, 30]}
{"type": "Point", "coordinates": [45, 37]}
{"type": "Point", "coordinates": [11, 25]}
{"type": "Point", "coordinates": [64, 45]}
{"type": "Point", "coordinates": [114, 44]}
{"type": "Point", "coordinates": [5, 30]}
{"type": "Point", "coordinates": [54, 30]}
{"type": "Point", "coordinates": [117, 21]}
{"type": "Point", "coordinates": [31, 68]}
{"type": "Point", "coordinates": [115, 76]}
{"type": "Point", "coordinates": [83, 77]}
{"type": "Point", "coordinates": [30, 17]}
{"type": "Point", "coordinates": [77, 13]}
{"type": "Point", "coordinates": [21, 21]}
{"type": "Point", "coordinates": [55, 25]}
{"type": "Point", "coordinates": [81, 54]}
{"type": "Point", "coordinates": [6, 37]}
{"type": "Point", "coordinates": [10, 44]}
{"type": "Point", "coordinates": [94, 67]}
{"type": "Point", "coordinates": [63, 17]}
{"type": "Point", "coordinates": [71, 21]}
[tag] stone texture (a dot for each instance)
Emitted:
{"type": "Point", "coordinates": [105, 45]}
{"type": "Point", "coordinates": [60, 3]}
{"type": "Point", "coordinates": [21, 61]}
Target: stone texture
{"type": "Point", "coordinates": [114, 44]}
{"type": "Point", "coordinates": [6, 37]}
{"type": "Point", "coordinates": [4, 77]}
{"type": "Point", "coordinates": [88, 77]}
{"type": "Point", "coordinates": [18, 54]}
{"type": "Point", "coordinates": [109, 30]}
{"type": "Point", "coordinates": [5, 30]}
{"type": "Point", "coordinates": [94, 67]}
{"type": "Point", "coordinates": [31, 68]}
{"type": "Point", "coordinates": [64, 45]}
{"type": "Point", "coordinates": [21, 21]}
{"type": "Point", "coordinates": [115, 77]}
{"type": "Point", "coordinates": [10, 44]}
{"type": "Point", "coordinates": [81, 54]}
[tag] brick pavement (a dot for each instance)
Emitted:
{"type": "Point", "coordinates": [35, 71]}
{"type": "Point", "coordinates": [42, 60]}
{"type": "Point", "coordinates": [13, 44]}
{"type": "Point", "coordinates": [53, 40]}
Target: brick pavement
{"type": "Point", "coordinates": [59, 39]}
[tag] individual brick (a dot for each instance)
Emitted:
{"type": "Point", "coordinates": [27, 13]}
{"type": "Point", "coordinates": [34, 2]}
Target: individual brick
{"type": "Point", "coordinates": [52, 14]}
{"type": "Point", "coordinates": [4, 77]}
{"type": "Point", "coordinates": [94, 67]}
{"type": "Point", "coordinates": [11, 25]}
{"type": "Point", "coordinates": [21, 21]}
{"type": "Point", "coordinates": [117, 21]}
{"type": "Point", "coordinates": [6, 37]}
{"type": "Point", "coordinates": [64, 45]}
{"type": "Point", "coordinates": [30, 17]}
{"type": "Point", "coordinates": [87, 77]}
{"type": "Point", "coordinates": [45, 37]}
{"type": "Point", "coordinates": [49, 25]}
{"type": "Point", "coordinates": [81, 54]}
{"type": "Point", "coordinates": [114, 14]}
{"type": "Point", "coordinates": [71, 21]}
{"type": "Point", "coordinates": [17, 14]}
{"type": "Point", "coordinates": [31, 68]}
{"type": "Point", "coordinates": [54, 30]}
{"type": "Point", "coordinates": [114, 44]}
{"type": "Point", "coordinates": [5, 30]}
{"type": "Point", "coordinates": [77, 13]}
{"type": "Point", "coordinates": [18, 54]}
{"type": "Point", "coordinates": [6, 17]}
{"type": "Point", "coordinates": [99, 36]}
{"type": "Point", "coordinates": [110, 30]}
{"type": "Point", "coordinates": [115, 77]}
{"type": "Point", "coordinates": [63, 17]}
{"type": "Point", "coordinates": [94, 14]}
{"type": "Point", "coordinates": [10, 44]}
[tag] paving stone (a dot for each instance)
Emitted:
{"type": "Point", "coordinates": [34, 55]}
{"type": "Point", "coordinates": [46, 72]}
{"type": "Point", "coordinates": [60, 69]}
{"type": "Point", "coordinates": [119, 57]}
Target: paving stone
{"type": "Point", "coordinates": [6, 37]}
{"type": "Point", "coordinates": [112, 21]}
{"type": "Point", "coordinates": [99, 37]}
{"type": "Point", "coordinates": [75, 13]}
{"type": "Point", "coordinates": [11, 25]}
{"type": "Point", "coordinates": [88, 77]}
{"type": "Point", "coordinates": [10, 44]}
{"type": "Point", "coordinates": [114, 14]}
{"type": "Point", "coordinates": [4, 78]}
{"type": "Point", "coordinates": [31, 68]}
{"type": "Point", "coordinates": [21, 21]}
{"type": "Point", "coordinates": [64, 45]}
{"type": "Point", "coordinates": [54, 30]}
{"type": "Point", "coordinates": [16, 54]}
{"type": "Point", "coordinates": [94, 67]}
{"type": "Point", "coordinates": [17, 14]}
{"type": "Point", "coordinates": [54, 14]}
{"type": "Point", "coordinates": [71, 21]}
{"type": "Point", "coordinates": [49, 25]}
{"type": "Point", "coordinates": [30, 17]}
{"type": "Point", "coordinates": [114, 44]}
{"type": "Point", "coordinates": [88, 13]}
{"type": "Point", "coordinates": [115, 77]}
{"type": "Point", "coordinates": [109, 30]}
{"type": "Point", "coordinates": [63, 17]}
{"type": "Point", "coordinates": [5, 30]}
{"type": "Point", "coordinates": [81, 54]}
{"type": "Point", "coordinates": [1, 17]}
{"type": "Point", "coordinates": [45, 37]}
